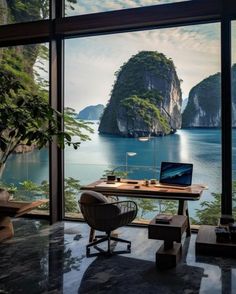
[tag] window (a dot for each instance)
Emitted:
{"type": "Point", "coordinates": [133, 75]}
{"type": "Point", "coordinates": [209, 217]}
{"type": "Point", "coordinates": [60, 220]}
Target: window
{"type": "Point", "coordinates": [139, 66]}
{"type": "Point", "coordinates": [93, 6]}
{"type": "Point", "coordinates": [234, 113]}
{"type": "Point", "coordinates": [23, 86]}
{"type": "Point", "coordinates": [23, 11]}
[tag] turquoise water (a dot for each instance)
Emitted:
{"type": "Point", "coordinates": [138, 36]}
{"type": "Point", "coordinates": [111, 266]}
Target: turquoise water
{"type": "Point", "coordinates": [202, 147]}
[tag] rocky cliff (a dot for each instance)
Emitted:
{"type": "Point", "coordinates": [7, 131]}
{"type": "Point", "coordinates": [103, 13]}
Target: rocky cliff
{"type": "Point", "coordinates": [204, 103]}
{"type": "Point", "coordinates": [146, 98]}
{"type": "Point", "coordinates": [3, 12]}
{"type": "Point", "coordinates": [18, 62]}
{"type": "Point", "coordinates": [92, 112]}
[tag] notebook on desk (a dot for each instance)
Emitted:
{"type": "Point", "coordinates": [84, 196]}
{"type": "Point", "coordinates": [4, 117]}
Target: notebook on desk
{"type": "Point", "coordinates": [175, 175]}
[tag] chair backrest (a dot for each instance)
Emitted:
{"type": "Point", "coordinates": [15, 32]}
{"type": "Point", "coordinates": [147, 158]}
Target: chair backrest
{"type": "Point", "coordinates": [92, 197]}
{"type": "Point", "coordinates": [89, 201]}
{"type": "Point", "coordinates": [104, 215]}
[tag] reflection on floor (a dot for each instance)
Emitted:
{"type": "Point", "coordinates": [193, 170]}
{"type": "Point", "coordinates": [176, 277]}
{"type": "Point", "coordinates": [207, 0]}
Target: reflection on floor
{"type": "Point", "coordinates": [51, 259]}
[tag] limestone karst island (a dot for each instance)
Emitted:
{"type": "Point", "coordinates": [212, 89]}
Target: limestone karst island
{"type": "Point", "coordinates": [146, 98]}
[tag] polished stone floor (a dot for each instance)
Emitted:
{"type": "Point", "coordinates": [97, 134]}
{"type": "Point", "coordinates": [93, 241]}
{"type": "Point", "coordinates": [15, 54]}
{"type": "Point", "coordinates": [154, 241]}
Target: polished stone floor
{"type": "Point", "coordinates": [51, 259]}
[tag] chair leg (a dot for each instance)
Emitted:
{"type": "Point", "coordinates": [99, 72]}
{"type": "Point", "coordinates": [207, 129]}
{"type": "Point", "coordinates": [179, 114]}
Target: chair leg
{"type": "Point", "coordinates": [109, 251]}
{"type": "Point", "coordinates": [109, 243]}
{"type": "Point", "coordinates": [120, 240]}
{"type": "Point", "coordinates": [94, 243]}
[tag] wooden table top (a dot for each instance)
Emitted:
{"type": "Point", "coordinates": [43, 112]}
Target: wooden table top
{"type": "Point", "coordinates": [17, 208]}
{"type": "Point", "coordinates": [138, 188]}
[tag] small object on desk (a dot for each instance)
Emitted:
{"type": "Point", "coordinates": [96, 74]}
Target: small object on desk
{"type": "Point", "coordinates": [147, 183]}
{"type": "Point", "coordinates": [118, 179]}
{"type": "Point", "coordinates": [136, 186]}
{"type": "Point", "coordinates": [222, 235]}
{"type": "Point", "coordinates": [111, 178]}
{"type": "Point", "coordinates": [163, 218]}
{"type": "Point", "coordinates": [153, 181]}
{"type": "Point", "coordinates": [132, 182]}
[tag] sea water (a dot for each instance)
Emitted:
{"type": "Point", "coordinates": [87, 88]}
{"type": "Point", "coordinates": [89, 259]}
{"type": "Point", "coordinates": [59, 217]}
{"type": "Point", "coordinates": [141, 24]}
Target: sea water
{"type": "Point", "coordinates": [202, 147]}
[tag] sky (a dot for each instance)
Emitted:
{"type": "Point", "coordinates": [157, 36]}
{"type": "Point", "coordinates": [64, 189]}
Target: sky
{"type": "Point", "coordinates": [92, 6]}
{"type": "Point", "coordinates": [90, 62]}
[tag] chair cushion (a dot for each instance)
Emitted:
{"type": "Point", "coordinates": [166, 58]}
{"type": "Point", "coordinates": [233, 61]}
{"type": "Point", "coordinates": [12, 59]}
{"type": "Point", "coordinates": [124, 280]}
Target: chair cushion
{"type": "Point", "coordinates": [92, 197]}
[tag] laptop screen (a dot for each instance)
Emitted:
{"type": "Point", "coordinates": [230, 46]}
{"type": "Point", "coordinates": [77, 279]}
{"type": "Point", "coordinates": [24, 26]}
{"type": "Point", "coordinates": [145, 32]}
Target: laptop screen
{"type": "Point", "coordinates": [175, 173]}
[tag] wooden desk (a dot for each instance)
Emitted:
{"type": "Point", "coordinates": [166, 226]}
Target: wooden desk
{"type": "Point", "coordinates": [169, 253]}
{"type": "Point", "coordinates": [139, 190]}
{"type": "Point", "coordinates": [10, 209]}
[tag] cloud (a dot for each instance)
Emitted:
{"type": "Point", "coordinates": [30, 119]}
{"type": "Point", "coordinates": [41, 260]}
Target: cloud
{"type": "Point", "coordinates": [93, 6]}
{"type": "Point", "coordinates": [92, 61]}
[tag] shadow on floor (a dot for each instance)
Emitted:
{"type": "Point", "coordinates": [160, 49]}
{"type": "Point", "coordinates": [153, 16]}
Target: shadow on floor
{"type": "Point", "coordinates": [119, 274]}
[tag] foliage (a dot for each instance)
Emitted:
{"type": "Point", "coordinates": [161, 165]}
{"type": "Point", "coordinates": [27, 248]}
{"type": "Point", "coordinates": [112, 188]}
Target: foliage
{"type": "Point", "coordinates": [71, 190]}
{"type": "Point", "coordinates": [25, 115]}
{"type": "Point", "coordinates": [147, 206]}
{"type": "Point", "coordinates": [115, 172]}
{"type": "Point", "coordinates": [27, 119]}
{"type": "Point", "coordinates": [137, 107]}
{"type": "Point", "coordinates": [25, 10]}
{"type": "Point", "coordinates": [76, 127]}
{"type": "Point", "coordinates": [27, 190]}
{"type": "Point", "coordinates": [168, 206]}
{"type": "Point", "coordinates": [148, 60]}
{"type": "Point", "coordinates": [131, 76]}
{"type": "Point", "coordinates": [210, 211]}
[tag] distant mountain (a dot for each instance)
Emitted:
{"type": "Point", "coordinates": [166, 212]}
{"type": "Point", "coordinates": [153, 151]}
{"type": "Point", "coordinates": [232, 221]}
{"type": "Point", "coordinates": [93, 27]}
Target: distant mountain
{"type": "Point", "coordinates": [204, 106]}
{"type": "Point", "coordinates": [204, 103]}
{"type": "Point", "coordinates": [146, 98]}
{"type": "Point", "coordinates": [92, 112]}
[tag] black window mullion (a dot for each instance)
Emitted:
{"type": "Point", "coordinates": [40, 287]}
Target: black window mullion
{"type": "Point", "coordinates": [57, 102]}
{"type": "Point", "coordinates": [226, 112]}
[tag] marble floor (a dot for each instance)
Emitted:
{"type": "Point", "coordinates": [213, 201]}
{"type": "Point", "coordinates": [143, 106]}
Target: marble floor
{"type": "Point", "coordinates": [51, 259]}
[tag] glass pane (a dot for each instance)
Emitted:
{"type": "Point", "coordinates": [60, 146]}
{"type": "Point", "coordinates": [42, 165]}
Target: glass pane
{"type": "Point", "coordinates": [234, 113]}
{"type": "Point", "coordinates": [24, 82]}
{"type": "Point", "coordinates": [163, 85]}
{"type": "Point", "coordinates": [16, 11]}
{"type": "Point", "coordinates": [79, 7]}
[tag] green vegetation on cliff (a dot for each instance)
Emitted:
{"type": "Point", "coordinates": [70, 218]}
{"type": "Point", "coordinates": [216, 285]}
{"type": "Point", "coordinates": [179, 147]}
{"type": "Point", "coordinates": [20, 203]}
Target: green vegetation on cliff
{"type": "Point", "coordinates": [143, 108]}
{"type": "Point", "coordinates": [131, 77]}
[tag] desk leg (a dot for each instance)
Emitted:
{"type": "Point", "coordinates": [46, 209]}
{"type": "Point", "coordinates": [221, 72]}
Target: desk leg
{"type": "Point", "coordinates": [91, 235]}
{"type": "Point", "coordinates": [183, 210]}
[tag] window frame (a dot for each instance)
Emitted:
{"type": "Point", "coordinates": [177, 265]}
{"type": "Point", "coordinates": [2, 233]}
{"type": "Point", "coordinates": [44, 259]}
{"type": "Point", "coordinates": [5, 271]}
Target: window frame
{"type": "Point", "coordinates": [55, 29]}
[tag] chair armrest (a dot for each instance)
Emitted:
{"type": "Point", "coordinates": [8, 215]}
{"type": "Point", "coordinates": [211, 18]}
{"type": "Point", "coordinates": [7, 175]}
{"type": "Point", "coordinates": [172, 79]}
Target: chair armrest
{"type": "Point", "coordinates": [110, 210]}
{"type": "Point", "coordinates": [126, 205]}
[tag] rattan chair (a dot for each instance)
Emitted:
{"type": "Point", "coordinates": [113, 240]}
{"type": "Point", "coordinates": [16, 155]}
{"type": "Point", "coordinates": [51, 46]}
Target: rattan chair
{"type": "Point", "coordinates": [105, 216]}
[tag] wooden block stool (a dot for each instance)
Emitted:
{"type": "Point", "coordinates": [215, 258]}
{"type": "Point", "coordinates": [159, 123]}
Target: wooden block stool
{"type": "Point", "coordinates": [6, 228]}
{"type": "Point", "coordinates": [169, 253]}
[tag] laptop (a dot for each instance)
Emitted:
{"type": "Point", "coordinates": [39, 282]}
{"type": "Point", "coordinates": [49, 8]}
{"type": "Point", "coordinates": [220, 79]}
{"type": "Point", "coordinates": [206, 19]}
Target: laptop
{"type": "Point", "coordinates": [175, 174]}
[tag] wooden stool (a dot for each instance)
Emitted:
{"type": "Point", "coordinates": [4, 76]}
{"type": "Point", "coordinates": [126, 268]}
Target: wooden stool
{"type": "Point", "coordinates": [6, 228]}
{"type": "Point", "coordinates": [169, 253]}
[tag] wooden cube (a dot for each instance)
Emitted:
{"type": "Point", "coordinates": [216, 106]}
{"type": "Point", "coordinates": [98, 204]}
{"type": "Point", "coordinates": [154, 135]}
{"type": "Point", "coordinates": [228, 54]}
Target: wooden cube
{"type": "Point", "coordinates": [168, 258]}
